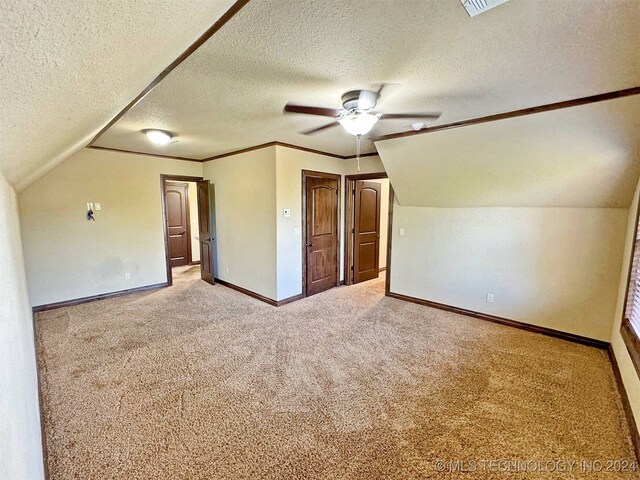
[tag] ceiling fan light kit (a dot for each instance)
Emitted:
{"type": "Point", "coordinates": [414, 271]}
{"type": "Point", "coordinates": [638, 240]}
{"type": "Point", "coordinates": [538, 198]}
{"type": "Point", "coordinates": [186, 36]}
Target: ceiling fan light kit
{"type": "Point", "coordinates": [357, 123]}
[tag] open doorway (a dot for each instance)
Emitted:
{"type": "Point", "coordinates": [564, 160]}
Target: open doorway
{"type": "Point", "coordinates": [186, 215]}
{"type": "Point", "coordinates": [368, 205]}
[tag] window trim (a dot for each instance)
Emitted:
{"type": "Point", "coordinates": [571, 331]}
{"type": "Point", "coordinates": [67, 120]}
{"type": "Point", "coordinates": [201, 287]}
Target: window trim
{"type": "Point", "coordinates": [629, 335]}
{"type": "Point", "coordinates": [632, 341]}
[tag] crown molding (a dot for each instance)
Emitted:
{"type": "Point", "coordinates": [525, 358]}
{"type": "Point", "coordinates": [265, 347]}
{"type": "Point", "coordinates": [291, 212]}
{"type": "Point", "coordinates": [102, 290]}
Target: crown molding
{"type": "Point", "coordinates": [287, 145]}
{"type": "Point", "coordinates": [170, 157]}
{"type": "Point", "coordinates": [235, 152]}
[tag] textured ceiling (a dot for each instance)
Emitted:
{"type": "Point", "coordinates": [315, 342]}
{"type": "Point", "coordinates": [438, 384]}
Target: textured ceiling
{"type": "Point", "coordinates": [230, 93]}
{"type": "Point", "coordinates": [584, 156]}
{"type": "Point", "coordinates": [68, 67]}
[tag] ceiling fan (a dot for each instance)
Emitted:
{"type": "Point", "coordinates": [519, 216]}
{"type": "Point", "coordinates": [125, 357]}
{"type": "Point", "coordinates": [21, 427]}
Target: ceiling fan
{"type": "Point", "coordinates": [356, 115]}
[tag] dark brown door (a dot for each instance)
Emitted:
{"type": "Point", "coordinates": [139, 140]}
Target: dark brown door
{"type": "Point", "coordinates": [366, 254]}
{"type": "Point", "coordinates": [321, 233]}
{"type": "Point", "coordinates": [206, 240]}
{"type": "Point", "coordinates": [177, 195]}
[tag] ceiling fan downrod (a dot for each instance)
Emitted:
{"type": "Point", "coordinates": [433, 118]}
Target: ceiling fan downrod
{"type": "Point", "coordinates": [358, 150]}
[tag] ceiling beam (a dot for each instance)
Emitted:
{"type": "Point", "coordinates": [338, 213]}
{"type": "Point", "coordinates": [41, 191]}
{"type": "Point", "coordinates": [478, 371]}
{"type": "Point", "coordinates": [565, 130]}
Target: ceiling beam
{"type": "Point", "coordinates": [515, 113]}
{"type": "Point", "coordinates": [228, 15]}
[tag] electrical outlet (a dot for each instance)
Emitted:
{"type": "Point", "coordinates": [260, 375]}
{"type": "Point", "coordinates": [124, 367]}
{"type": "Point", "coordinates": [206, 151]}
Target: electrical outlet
{"type": "Point", "coordinates": [227, 270]}
{"type": "Point", "coordinates": [489, 297]}
{"type": "Point", "coordinates": [127, 276]}
{"type": "Point", "coordinates": [287, 212]}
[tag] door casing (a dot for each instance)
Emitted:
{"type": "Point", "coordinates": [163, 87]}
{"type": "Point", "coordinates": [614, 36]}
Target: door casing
{"type": "Point", "coordinates": [349, 224]}
{"type": "Point", "coordinates": [163, 182]}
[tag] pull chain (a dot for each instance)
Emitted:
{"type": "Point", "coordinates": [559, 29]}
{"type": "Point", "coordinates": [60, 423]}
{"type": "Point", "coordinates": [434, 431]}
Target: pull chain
{"type": "Point", "coordinates": [358, 150]}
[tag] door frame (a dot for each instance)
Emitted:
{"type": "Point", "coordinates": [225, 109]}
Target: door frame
{"type": "Point", "coordinates": [335, 176]}
{"type": "Point", "coordinates": [163, 182]}
{"type": "Point", "coordinates": [349, 223]}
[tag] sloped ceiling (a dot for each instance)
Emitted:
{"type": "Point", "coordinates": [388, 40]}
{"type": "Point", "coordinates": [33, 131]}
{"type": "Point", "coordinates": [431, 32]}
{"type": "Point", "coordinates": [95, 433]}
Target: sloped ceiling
{"type": "Point", "coordinates": [68, 67]}
{"type": "Point", "coordinates": [230, 94]}
{"type": "Point", "coordinates": [585, 156]}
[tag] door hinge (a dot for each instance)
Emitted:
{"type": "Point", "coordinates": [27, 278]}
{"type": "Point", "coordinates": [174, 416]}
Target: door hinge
{"type": "Point", "coordinates": [352, 268]}
{"type": "Point", "coordinates": [353, 230]}
{"type": "Point", "coordinates": [353, 192]}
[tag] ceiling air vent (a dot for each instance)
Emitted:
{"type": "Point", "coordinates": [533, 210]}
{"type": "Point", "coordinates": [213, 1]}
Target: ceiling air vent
{"type": "Point", "coordinates": [475, 7]}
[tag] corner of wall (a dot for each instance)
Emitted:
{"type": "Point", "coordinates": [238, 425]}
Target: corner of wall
{"type": "Point", "coordinates": [20, 438]}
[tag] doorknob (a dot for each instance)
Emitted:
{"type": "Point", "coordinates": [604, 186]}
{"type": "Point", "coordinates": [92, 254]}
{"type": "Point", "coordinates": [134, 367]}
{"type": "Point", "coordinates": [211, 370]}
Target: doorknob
{"type": "Point", "coordinates": [183, 232]}
{"type": "Point", "coordinates": [309, 244]}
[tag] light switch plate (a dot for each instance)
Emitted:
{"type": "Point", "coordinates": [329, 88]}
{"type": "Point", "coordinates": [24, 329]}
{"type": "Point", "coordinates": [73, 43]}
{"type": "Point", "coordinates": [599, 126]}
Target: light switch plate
{"type": "Point", "coordinates": [98, 206]}
{"type": "Point", "coordinates": [402, 232]}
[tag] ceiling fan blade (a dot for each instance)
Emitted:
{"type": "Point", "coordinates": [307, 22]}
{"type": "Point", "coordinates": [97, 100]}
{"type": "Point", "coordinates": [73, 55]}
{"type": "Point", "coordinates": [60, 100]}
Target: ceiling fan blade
{"type": "Point", "coordinates": [308, 110]}
{"type": "Point", "coordinates": [319, 129]}
{"type": "Point", "coordinates": [426, 116]}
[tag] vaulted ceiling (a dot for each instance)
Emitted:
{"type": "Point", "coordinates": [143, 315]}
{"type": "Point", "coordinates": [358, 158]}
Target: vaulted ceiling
{"type": "Point", "coordinates": [230, 93]}
{"type": "Point", "coordinates": [69, 67]}
{"type": "Point", "coordinates": [584, 156]}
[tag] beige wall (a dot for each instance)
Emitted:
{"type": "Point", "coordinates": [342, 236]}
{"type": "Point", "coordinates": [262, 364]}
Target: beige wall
{"type": "Point", "coordinates": [258, 246]}
{"type": "Point", "coordinates": [193, 220]}
{"type": "Point", "coordinates": [20, 446]}
{"type": "Point", "coordinates": [371, 164]}
{"type": "Point", "coordinates": [627, 370]}
{"type": "Point", "coordinates": [553, 267]}
{"type": "Point", "coordinates": [68, 257]}
{"type": "Point", "coordinates": [244, 192]}
{"type": "Point", "coordinates": [290, 163]}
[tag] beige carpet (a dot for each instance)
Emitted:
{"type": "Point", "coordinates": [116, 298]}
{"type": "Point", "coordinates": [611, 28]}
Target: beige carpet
{"type": "Point", "coordinates": [201, 382]}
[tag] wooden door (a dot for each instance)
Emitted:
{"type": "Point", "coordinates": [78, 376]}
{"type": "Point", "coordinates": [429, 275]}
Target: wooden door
{"type": "Point", "coordinates": [206, 239]}
{"type": "Point", "coordinates": [321, 227]}
{"type": "Point", "coordinates": [366, 235]}
{"type": "Point", "coordinates": [176, 196]}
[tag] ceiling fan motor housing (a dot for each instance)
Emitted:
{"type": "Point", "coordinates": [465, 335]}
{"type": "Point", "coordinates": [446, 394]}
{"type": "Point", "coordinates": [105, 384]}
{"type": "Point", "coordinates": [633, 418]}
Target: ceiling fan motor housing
{"type": "Point", "coordinates": [359, 100]}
